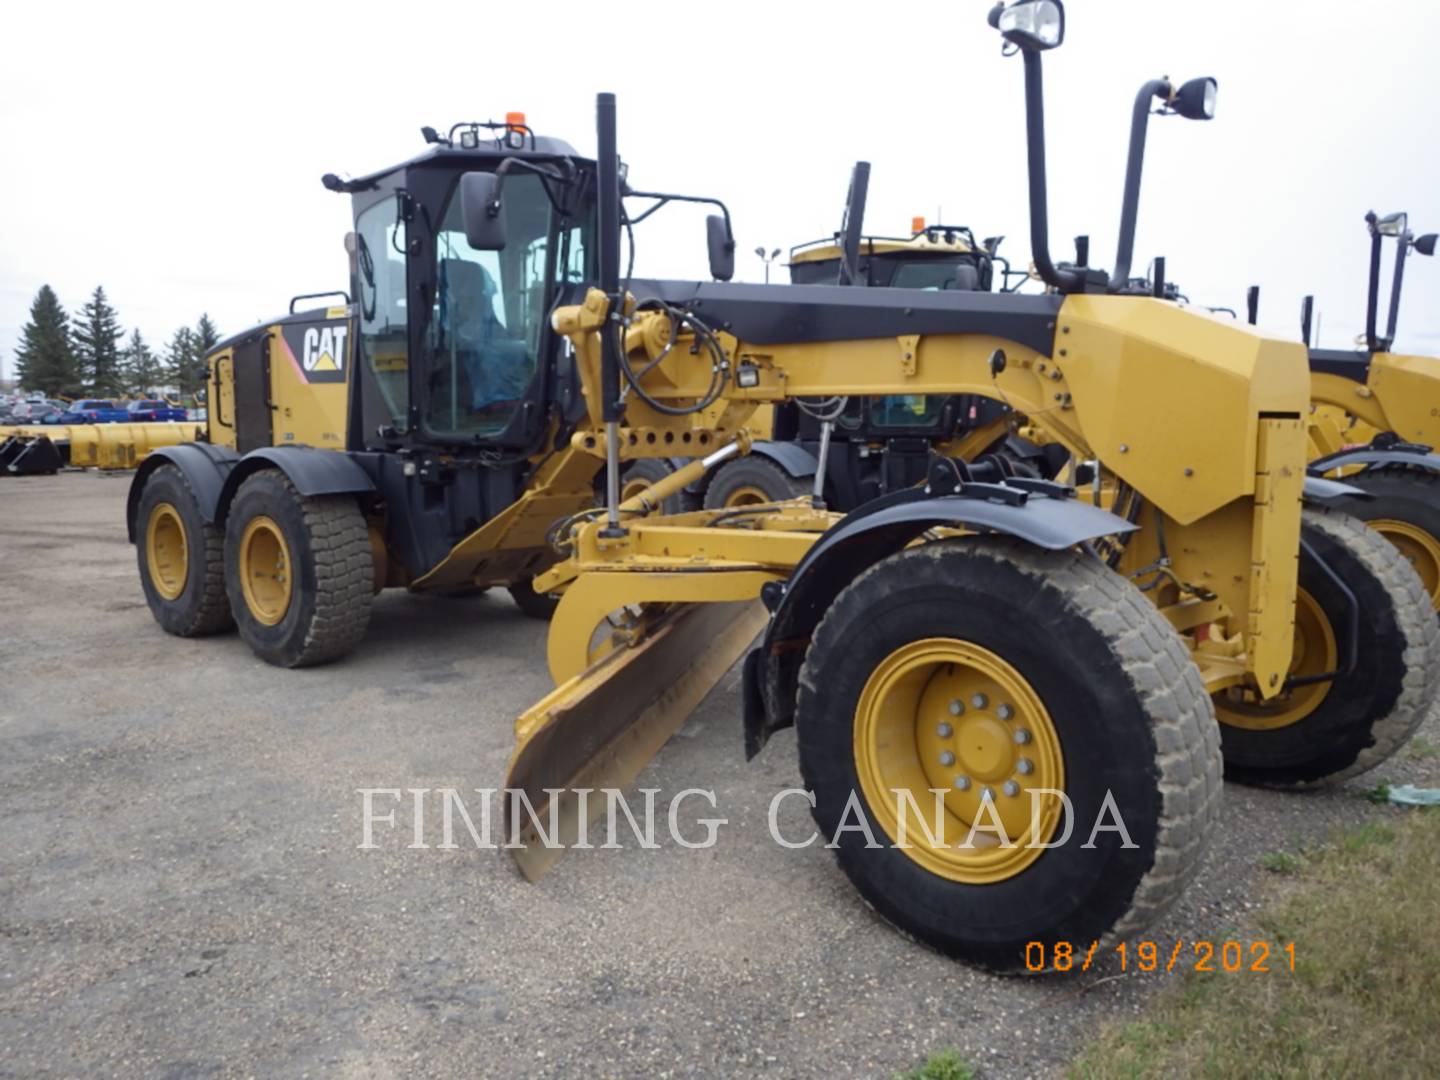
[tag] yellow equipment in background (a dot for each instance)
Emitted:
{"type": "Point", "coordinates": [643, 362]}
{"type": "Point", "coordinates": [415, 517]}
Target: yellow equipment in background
{"type": "Point", "coordinates": [28, 450]}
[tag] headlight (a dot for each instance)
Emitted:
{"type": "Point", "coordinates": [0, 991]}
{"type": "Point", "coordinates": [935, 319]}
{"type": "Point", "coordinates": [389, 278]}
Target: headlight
{"type": "Point", "coordinates": [1196, 99]}
{"type": "Point", "coordinates": [1392, 224]}
{"type": "Point", "coordinates": [1032, 24]}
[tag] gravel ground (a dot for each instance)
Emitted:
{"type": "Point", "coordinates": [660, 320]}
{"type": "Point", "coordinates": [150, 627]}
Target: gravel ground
{"type": "Point", "coordinates": [182, 893]}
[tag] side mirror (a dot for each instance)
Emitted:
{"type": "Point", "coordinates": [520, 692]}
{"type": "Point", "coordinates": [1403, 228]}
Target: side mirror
{"type": "Point", "coordinates": [1032, 25]}
{"type": "Point", "coordinates": [1425, 245]}
{"type": "Point", "coordinates": [480, 208]}
{"type": "Point", "coordinates": [721, 246]}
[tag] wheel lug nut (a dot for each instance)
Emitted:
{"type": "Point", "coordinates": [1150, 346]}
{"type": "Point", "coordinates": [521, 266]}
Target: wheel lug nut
{"type": "Point", "coordinates": [1025, 766]}
{"type": "Point", "coordinates": [957, 707]}
{"type": "Point", "coordinates": [944, 731]}
{"type": "Point", "coordinates": [1004, 712]}
{"type": "Point", "coordinates": [1011, 788]}
{"type": "Point", "coordinates": [979, 701]}
{"type": "Point", "coordinates": [962, 783]}
{"type": "Point", "coordinates": [1022, 736]}
{"type": "Point", "coordinates": [947, 758]}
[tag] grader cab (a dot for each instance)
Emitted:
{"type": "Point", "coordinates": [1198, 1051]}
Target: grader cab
{"type": "Point", "coordinates": [978, 669]}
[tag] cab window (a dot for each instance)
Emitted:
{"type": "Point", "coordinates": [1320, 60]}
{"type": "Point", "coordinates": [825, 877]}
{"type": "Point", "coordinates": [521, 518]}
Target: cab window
{"type": "Point", "coordinates": [484, 334]}
{"type": "Point", "coordinates": [383, 347]}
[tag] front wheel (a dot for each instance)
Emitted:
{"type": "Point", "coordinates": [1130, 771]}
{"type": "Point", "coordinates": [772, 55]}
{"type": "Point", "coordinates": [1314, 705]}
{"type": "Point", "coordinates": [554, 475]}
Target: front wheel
{"type": "Point", "coordinates": [1326, 731]}
{"type": "Point", "coordinates": [1032, 729]}
{"type": "Point", "coordinates": [299, 571]}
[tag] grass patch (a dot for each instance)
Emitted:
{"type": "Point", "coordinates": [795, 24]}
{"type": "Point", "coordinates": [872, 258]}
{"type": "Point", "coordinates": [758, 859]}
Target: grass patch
{"type": "Point", "coordinates": [1379, 794]}
{"type": "Point", "coordinates": [1422, 749]}
{"type": "Point", "coordinates": [1282, 862]}
{"type": "Point", "coordinates": [945, 1065]}
{"type": "Point", "coordinates": [1361, 1001]}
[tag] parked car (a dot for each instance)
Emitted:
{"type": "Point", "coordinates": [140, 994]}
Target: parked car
{"type": "Point", "coordinates": [93, 411]}
{"type": "Point", "coordinates": [33, 412]}
{"type": "Point", "coordinates": [153, 409]}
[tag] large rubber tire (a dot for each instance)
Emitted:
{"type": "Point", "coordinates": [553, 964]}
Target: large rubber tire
{"type": "Point", "coordinates": [202, 607]}
{"type": "Point", "coordinates": [1129, 708]}
{"type": "Point", "coordinates": [535, 605]}
{"type": "Point", "coordinates": [331, 564]}
{"type": "Point", "coordinates": [751, 480]}
{"type": "Point", "coordinates": [1410, 499]}
{"type": "Point", "coordinates": [1369, 714]}
{"type": "Point", "coordinates": [647, 471]}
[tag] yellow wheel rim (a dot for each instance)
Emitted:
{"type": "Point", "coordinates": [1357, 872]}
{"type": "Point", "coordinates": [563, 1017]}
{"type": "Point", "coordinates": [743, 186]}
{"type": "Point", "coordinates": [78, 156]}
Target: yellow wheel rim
{"type": "Point", "coordinates": [1315, 652]}
{"type": "Point", "coordinates": [265, 570]}
{"type": "Point", "coordinates": [1417, 545]}
{"type": "Point", "coordinates": [747, 495]}
{"type": "Point", "coordinates": [167, 556]}
{"type": "Point", "coordinates": [949, 715]}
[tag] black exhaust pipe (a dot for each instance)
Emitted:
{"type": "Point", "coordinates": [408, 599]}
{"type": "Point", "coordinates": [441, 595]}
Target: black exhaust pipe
{"type": "Point", "coordinates": [1307, 315]}
{"type": "Point", "coordinates": [1252, 304]}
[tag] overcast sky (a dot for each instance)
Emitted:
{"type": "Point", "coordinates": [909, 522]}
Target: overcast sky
{"type": "Point", "coordinates": [174, 154]}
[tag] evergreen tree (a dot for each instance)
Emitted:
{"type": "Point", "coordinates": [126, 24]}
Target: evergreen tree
{"type": "Point", "coordinates": [97, 337]}
{"type": "Point", "coordinates": [45, 361]}
{"type": "Point", "coordinates": [206, 336]}
{"type": "Point", "coordinates": [142, 370]}
{"type": "Point", "coordinates": [184, 368]}
{"type": "Point", "coordinates": [203, 338]}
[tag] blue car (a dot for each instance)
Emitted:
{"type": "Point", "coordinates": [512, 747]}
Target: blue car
{"type": "Point", "coordinates": [93, 411]}
{"type": "Point", "coordinates": [152, 410]}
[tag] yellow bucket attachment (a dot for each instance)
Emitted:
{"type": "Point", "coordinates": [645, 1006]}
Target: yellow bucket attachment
{"type": "Point", "coordinates": [599, 729]}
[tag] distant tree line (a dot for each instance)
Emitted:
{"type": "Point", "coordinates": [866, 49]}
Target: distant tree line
{"type": "Point", "coordinates": [88, 355]}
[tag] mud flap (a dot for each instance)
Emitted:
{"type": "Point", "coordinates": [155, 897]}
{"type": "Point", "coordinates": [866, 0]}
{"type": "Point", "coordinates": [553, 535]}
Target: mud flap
{"type": "Point", "coordinates": [600, 729]}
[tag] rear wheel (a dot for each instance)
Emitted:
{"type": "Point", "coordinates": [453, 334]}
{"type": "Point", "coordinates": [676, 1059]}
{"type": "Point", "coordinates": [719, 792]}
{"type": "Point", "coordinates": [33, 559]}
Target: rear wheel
{"type": "Point", "coordinates": [1325, 732]}
{"type": "Point", "coordinates": [1000, 676]}
{"type": "Point", "coordinates": [181, 557]}
{"type": "Point", "coordinates": [1405, 509]}
{"type": "Point", "coordinates": [299, 571]}
{"type": "Point", "coordinates": [647, 472]}
{"type": "Point", "coordinates": [752, 481]}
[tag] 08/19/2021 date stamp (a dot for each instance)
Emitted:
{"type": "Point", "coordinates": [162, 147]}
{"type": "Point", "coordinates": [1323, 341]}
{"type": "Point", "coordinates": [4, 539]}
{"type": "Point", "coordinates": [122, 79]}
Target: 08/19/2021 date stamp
{"type": "Point", "coordinates": [1231, 956]}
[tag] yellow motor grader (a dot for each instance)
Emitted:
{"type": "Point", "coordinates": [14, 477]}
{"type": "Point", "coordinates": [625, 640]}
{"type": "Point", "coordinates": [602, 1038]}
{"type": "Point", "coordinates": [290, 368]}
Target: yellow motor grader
{"type": "Point", "coordinates": [1001, 691]}
{"type": "Point", "coordinates": [1375, 415]}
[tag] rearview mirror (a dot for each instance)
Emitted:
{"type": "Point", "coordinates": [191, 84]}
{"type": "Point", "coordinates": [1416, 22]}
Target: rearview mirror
{"type": "Point", "coordinates": [721, 246]}
{"type": "Point", "coordinates": [1425, 245]}
{"type": "Point", "coordinates": [480, 209]}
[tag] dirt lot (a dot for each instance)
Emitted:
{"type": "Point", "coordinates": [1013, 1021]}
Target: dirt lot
{"type": "Point", "coordinates": [182, 893]}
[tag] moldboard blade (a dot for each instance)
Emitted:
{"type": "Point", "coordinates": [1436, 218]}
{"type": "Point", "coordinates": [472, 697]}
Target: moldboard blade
{"type": "Point", "coordinates": [602, 727]}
